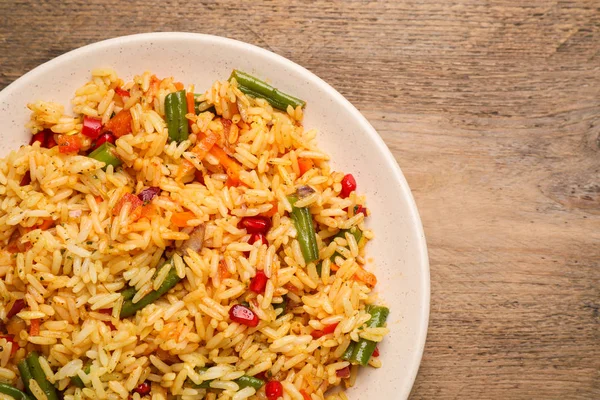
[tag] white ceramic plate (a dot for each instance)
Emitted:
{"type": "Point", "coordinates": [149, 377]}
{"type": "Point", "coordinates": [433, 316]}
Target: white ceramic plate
{"type": "Point", "coordinates": [399, 251]}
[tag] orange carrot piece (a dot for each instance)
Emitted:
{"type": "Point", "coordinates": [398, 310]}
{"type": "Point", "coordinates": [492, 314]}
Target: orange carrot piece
{"type": "Point", "coordinates": [305, 395]}
{"type": "Point", "coordinates": [272, 211]}
{"type": "Point", "coordinates": [178, 85]}
{"type": "Point", "coordinates": [120, 124]}
{"type": "Point", "coordinates": [201, 149]}
{"type": "Point", "coordinates": [191, 108]}
{"type": "Point", "coordinates": [180, 219]}
{"type": "Point", "coordinates": [135, 211]}
{"type": "Point", "coordinates": [34, 328]}
{"type": "Point", "coordinates": [334, 267]}
{"type": "Point", "coordinates": [366, 277]}
{"type": "Point", "coordinates": [232, 167]}
{"type": "Point", "coordinates": [47, 224]}
{"type": "Point", "coordinates": [304, 164]}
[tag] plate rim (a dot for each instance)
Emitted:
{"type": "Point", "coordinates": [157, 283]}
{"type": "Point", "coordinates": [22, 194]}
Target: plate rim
{"type": "Point", "coordinates": [365, 125]}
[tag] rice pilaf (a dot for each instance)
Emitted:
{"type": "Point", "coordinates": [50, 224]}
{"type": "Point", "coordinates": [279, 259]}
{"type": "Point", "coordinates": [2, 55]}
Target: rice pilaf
{"type": "Point", "coordinates": [184, 268]}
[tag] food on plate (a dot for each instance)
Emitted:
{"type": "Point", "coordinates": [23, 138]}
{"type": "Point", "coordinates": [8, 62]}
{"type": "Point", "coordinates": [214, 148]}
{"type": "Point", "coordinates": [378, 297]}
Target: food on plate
{"type": "Point", "coordinates": [179, 241]}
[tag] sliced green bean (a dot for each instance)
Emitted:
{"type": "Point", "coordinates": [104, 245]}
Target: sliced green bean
{"type": "Point", "coordinates": [245, 381]}
{"type": "Point", "coordinates": [13, 392]}
{"type": "Point", "coordinates": [175, 110]}
{"type": "Point", "coordinates": [129, 308]}
{"type": "Point", "coordinates": [106, 153]}
{"type": "Point", "coordinates": [255, 87]}
{"type": "Point", "coordinates": [281, 306]}
{"type": "Point", "coordinates": [364, 348]}
{"type": "Point", "coordinates": [348, 353]}
{"type": "Point", "coordinates": [76, 380]}
{"type": "Point", "coordinates": [25, 373]}
{"type": "Point", "coordinates": [33, 361]}
{"type": "Point", "coordinates": [357, 233]}
{"type": "Point", "coordinates": [307, 238]}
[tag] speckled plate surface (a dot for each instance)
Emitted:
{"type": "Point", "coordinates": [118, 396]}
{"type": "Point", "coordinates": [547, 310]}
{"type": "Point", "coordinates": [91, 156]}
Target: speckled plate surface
{"type": "Point", "coordinates": [399, 252]}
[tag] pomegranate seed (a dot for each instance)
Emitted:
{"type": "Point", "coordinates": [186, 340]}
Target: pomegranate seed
{"type": "Point", "coordinates": [348, 186]}
{"type": "Point", "coordinates": [360, 209]}
{"type": "Point", "coordinates": [16, 308]}
{"type": "Point", "coordinates": [259, 282]}
{"type": "Point", "coordinates": [376, 352]}
{"type": "Point", "coordinates": [258, 236]}
{"type": "Point", "coordinates": [50, 142]}
{"type": "Point", "coordinates": [39, 137]}
{"type": "Point", "coordinates": [256, 224]}
{"type": "Point", "coordinates": [26, 179]}
{"type": "Point", "coordinates": [105, 137]}
{"type": "Point", "coordinates": [343, 373]}
{"type": "Point", "coordinates": [274, 390]}
{"type": "Point", "coordinates": [91, 127]}
{"type": "Point", "coordinates": [143, 388]}
{"type": "Point", "coordinates": [243, 315]}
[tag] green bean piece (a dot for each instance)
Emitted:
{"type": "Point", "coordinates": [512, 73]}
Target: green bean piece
{"type": "Point", "coordinates": [357, 233]}
{"type": "Point", "coordinates": [254, 87]}
{"type": "Point", "coordinates": [33, 361]}
{"type": "Point", "coordinates": [175, 110]}
{"type": "Point", "coordinates": [281, 306]}
{"type": "Point", "coordinates": [128, 293]}
{"type": "Point", "coordinates": [76, 380]}
{"type": "Point", "coordinates": [129, 308]}
{"type": "Point", "coordinates": [106, 153]}
{"type": "Point", "coordinates": [307, 238]}
{"type": "Point", "coordinates": [348, 353]}
{"type": "Point", "coordinates": [25, 373]}
{"type": "Point", "coordinates": [203, 106]}
{"type": "Point", "coordinates": [245, 381]}
{"type": "Point", "coordinates": [13, 392]}
{"type": "Point", "coordinates": [364, 348]}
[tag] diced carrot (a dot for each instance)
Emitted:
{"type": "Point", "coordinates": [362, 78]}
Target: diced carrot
{"type": "Point", "coordinates": [135, 208]}
{"type": "Point", "coordinates": [272, 211]}
{"type": "Point", "coordinates": [34, 329]}
{"type": "Point", "coordinates": [98, 199]}
{"type": "Point", "coordinates": [231, 183]}
{"type": "Point", "coordinates": [178, 85]}
{"type": "Point", "coordinates": [334, 267]}
{"type": "Point", "coordinates": [304, 164]}
{"type": "Point", "coordinates": [180, 219]}
{"type": "Point", "coordinates": [120, 124]}
{"type": "Point", "coordinates": [47, 224]}
{"type": "Point", "coordinates": [191, 107]}
{"type": "Point", "coordinates": [69, 144]}
{"type": "Point", "coordinates": [122, 92]}
{"type": "Point", "coordinates": [201, 149]}
{"type": "Point", "coordinates": [305, 395]}
{"type": "Point", "coordinates": [223, 271]}
{"type": "Point", "coordinates": [231, 166]}
{"type": "Point", "coordinates": [148, 211]}
{"type": "Point", "coordinates": [366, 277]}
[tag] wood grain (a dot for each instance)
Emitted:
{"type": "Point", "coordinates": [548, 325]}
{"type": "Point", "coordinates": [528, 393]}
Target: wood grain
{"type": "Point", "coordinates": [492, 109]}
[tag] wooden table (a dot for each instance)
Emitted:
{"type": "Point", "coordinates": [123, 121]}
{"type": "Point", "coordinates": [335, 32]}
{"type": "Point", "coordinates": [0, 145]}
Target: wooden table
{"type": "Point", "coordinates": [492, 109]}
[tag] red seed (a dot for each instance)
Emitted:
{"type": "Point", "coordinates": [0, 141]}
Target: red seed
{"type": "Point", "coordinates": [348, 186]}
{"type": "Point", "coordinates": [91, 127]}
{"type": "Point", "coordinates": [105, 137]}
{"type": "Point", "coordinates": [143, 388]}
{"type": "Point", "coordinates": [343, 373]}
{"type": "Point", "coordinates": [16, 308]}
{"type": "Point", "coordinates": [39, 137]}
{"type": "Point", "coordinates": [376, 352]}
{"type": "Point", "coordinates": [256, 224]}
{"type": "Point", "coordinates": [360, 209]}
{"type": "Point", "coordinates": [243, 315]}
{"type": "Point", "coordinates": [274, 390]}
{"type": "Point", "coordinates": [26, 179]}
{"type": "Point", "coordinates": [259, 282]}
{"type": "Point", "coordinates": [258, 236]}
{"type": "Point", "coordinates": [50, 142]}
